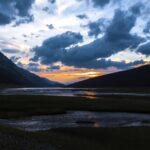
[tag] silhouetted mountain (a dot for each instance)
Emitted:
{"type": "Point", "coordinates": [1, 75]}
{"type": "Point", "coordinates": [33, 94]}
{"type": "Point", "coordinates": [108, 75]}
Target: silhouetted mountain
{"type": "Point", "coordinates": [12, 75]}
{"type": "Point", "coordinates": [138, 77]}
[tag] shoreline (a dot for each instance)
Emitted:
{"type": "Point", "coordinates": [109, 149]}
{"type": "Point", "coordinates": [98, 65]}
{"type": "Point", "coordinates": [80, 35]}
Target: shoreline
{"type": "Point", "coordinates": [16, 106]}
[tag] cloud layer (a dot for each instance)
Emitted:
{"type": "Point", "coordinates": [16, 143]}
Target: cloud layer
{"type": "Point", "coordinates": [48, 34]}
{"type": "Point", "coordinates": [53, 49]}
{"type": "Point", "coordinates": [10, 9]}
{"type": "Point", "coordinates": [117, 37]}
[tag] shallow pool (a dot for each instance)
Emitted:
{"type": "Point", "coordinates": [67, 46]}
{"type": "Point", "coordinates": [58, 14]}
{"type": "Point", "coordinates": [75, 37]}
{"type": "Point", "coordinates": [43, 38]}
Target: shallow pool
{"type": "Point", "coordinates": [79, 119]}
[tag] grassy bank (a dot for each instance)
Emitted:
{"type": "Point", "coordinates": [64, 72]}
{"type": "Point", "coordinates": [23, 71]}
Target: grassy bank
{"type": "Point", "coordinates": [76, 138]}
{"type": "Point", "coordinates": [73, 138]}
{"type": "Point", "coordinates": [22, 106]}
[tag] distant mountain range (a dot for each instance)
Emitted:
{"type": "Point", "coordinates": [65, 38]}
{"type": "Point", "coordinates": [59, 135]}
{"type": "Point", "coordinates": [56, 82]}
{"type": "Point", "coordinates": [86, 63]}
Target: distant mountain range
{"type": "Point", "coordinates": [138, 77]}
{"type": "Point", "coordinates": [12, 75]}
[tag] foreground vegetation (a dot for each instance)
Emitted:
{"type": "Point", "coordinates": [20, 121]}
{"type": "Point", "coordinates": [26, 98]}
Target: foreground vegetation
{"type": "Point", "coordinates": [76, 138]}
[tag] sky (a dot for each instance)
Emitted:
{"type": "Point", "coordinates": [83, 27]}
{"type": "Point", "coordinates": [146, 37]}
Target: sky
{"type": "Point", "coordinates": [69, 41]}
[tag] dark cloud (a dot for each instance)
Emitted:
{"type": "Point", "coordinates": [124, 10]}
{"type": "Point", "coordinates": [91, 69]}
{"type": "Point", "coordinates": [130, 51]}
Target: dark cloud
{"type": "Point", "coordinates": [82, 16]}
{"type": "Point", "coordinates": [56, 67]}
{"type": "Point", "coordinates": [119, 30]}
{"type": "Point", "coordinates": [46, 9]}
{"type": "Point", "coordinates": [24, 20]}
{"type": "Point", "coordinates": [34, 67]}
{"type": "Point", "coordinates": [4, 19]}
{"type": "Point", "coordinates": [50, 26]}
{"type": "Point", "coordinates": [113, 41]}
{"type": "Point", "coordinates": [137, 8]}
{"type": "Point", "coordinates": [53, 68]}
{"type": "Point", "coordinates": [19, 64]}
{"type": "Point", "coordinates": [97, 3]}
{"type": "Point", "coordinates": [6, 11]}
{"type": "Point", "coordinates": [100, 3]}
{"type": "Point", "coordinates": [23, 7]}
{"type": "Point", "coordinates": [97, 27]}
{"type": "Point", "coordinates": [24, 35]}
{"type": "Point", "coordinates": [10, 9]}
{"type": "Point", "coordinates": [10, 51]}
{"type": "Point", "coordinates": [52, 1]}
{"type": "Point", "coordinates": [53, 48]}
{"type": "Point", "coordinates": [15, 58]}
{"type": "Point", "coordinates": [51, 7]}
{"type": "Point", "coordinates": [117, 37]}
{"type": "Point", "coordinates": [144, 49]}
{"type": "Point", "coordinates": [103, 63]}
{"type": "Point", "coordinates": [147, 28]}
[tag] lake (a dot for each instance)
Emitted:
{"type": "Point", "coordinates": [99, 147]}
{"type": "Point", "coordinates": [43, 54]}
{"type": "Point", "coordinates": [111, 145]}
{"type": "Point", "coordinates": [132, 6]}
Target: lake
{"type": "Point", "coordinates": [83, 92]}
{"type": "Point", "coordinates": [79, 119]}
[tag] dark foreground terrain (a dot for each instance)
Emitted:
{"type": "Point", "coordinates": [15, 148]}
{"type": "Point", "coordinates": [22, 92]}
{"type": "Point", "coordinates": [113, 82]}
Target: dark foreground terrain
{"type": "Point", "coordinates": [76, 138]}
{"type": "Point", "coordinates": [129, 138]}
{"type": "Point", "coordinates": [12, 106]}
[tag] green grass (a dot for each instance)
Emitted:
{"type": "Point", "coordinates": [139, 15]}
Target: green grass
{"type": "Point", "coordinates": [22, 106]}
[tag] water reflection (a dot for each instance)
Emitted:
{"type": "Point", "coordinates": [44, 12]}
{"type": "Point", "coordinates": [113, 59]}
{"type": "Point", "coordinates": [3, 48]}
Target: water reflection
{"type": "Point", "coordinates": [97, 125]}
{"type": "Point", "coordinates": [79, 119]}
{"type": "Point", "coordinates": [91, 93]}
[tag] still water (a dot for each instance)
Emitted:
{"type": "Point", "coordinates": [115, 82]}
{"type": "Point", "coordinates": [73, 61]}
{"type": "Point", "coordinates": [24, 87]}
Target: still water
{"type": "Point", "coordinates": [79, 119]}
{"type": "Point", "coordinates": [83, 92]}
{"type": "Point", "coordinates": [76, 118]}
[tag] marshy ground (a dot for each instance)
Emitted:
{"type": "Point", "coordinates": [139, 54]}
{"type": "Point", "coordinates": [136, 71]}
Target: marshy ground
{"type": "Point", "coordinates": [121, 138]}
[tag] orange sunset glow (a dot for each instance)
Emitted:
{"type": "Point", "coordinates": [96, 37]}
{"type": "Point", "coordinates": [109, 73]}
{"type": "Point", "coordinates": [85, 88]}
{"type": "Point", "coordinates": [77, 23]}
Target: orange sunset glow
{"type": "Point", "coordinates": [71, 76]}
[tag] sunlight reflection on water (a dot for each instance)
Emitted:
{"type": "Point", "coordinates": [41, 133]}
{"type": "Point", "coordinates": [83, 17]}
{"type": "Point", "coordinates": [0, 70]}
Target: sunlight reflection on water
{"type": "Point", "coordinates": [91, 93]}
{"type": "Point", "coordinates": [80, 119]}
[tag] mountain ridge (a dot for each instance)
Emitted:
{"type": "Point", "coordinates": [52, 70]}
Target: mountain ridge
{"type": "Point", "coordinates": [137, 77]}
{"type": "Point", "coordinates": [12, 75]}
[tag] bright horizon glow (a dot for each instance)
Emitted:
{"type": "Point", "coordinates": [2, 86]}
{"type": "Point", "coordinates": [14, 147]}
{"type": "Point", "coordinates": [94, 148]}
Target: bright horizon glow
{"type": "Point", "coordinates": [69, 77]}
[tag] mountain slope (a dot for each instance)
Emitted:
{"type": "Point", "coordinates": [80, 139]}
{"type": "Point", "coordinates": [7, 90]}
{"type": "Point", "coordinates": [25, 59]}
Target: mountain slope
{"type": "Point", "coordinates": [138, 77]}
{"type": "Point", "coordinates": [10, 74]}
